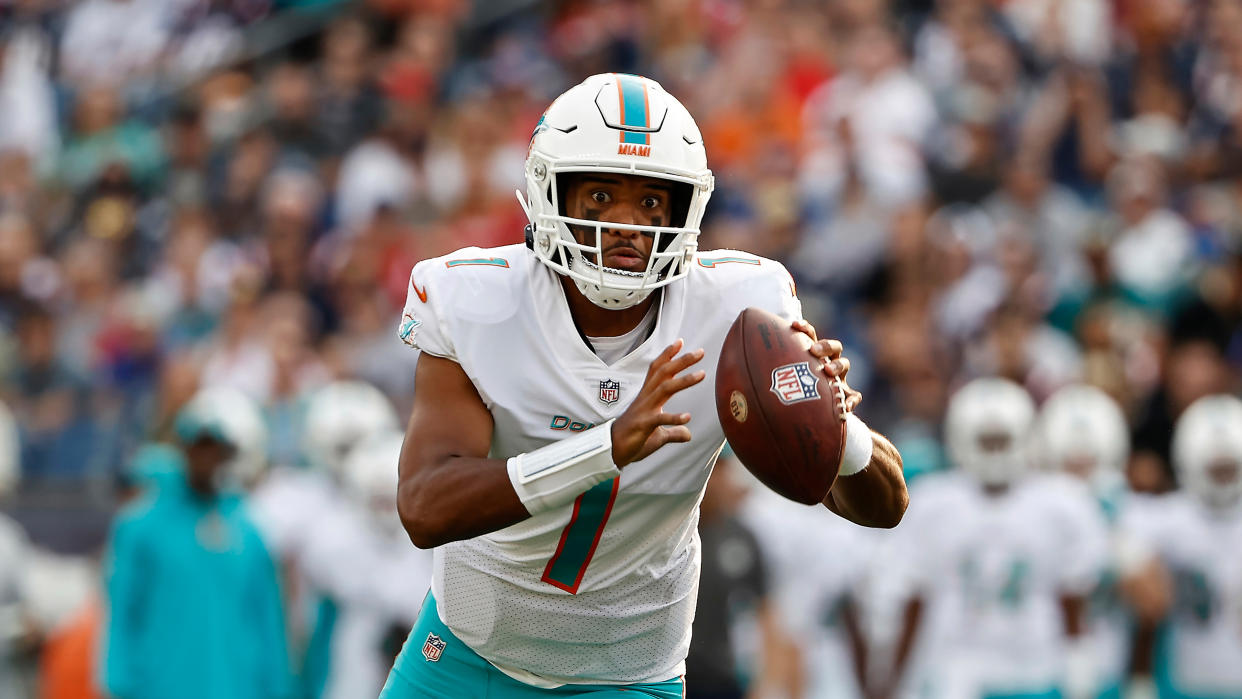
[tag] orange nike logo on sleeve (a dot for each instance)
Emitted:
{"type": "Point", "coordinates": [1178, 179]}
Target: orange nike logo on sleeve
{"type": "Point", "coordinates": [422, 295]}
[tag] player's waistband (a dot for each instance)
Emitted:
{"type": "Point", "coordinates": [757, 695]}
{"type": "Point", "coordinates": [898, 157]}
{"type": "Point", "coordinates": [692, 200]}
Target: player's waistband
{"type": "Point", "coordinates": [434, 662]}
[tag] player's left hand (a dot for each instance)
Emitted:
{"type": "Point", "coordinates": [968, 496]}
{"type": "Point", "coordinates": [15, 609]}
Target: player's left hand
{"type": "Point", "coordinates": [835, 365]}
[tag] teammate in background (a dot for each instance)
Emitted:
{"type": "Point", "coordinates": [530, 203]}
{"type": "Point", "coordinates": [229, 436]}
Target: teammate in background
{"type": "Point", "coordinates": [818, 565]}
{"type": "Point", "coordinates": [738, 648]}
{"type": "Point", "coordinates": [360, 560]}
{"type": "Point", "coordinates": [292, 499]}
{"type": "Point", "coordinates": [1082, 432]}
{"type": "Point", "coordinates": [550, 457]}
{"type": "Point", "coordinates": [1189, 578]}
{"type": "Point", "coordinates": [187, 557]}
{"type": "Point", "coordinates": [996, 561]}
{"type": "Point", "coordinates": [337, 418]}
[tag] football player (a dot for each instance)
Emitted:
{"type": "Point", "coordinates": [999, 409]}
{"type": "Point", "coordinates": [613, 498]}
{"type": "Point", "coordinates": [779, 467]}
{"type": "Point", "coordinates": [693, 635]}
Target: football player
{"type": "Point", "coordinates": [819, 565]}
{"type": "Point", "coordinates": [1191, 581]}
{"type": "Point", "coordinates": [360, 561]}
{"type": "Point", "coordinates": [338, 417]}
{"type": "Point", "coordinates": [291, 501]}
{"type": "Point", "coordinates": [550, 458]}
{"type": "Point", "coordinates": [1082, 433]}
{"type": "Point", "coordinates": [996, 561]}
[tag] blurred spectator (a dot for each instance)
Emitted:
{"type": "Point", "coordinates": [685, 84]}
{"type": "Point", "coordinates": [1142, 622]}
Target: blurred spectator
{"type": "Point", "coordinates": [28, 99]}
{"type": "Point", "coordinates": [885, 114]}
{"type": "Point", "coordinates": [50, 402]}
{"type": "Point", "coordinates": [1192, 369]}
{"type": "Point", "coordinates": [110, 42]}
{"type": "Point", "coordinates": [104, 137]}
{"type": "Point", "coordinates": [1151, 256]}
{"type": "Point", "coordinates": [348, 104]}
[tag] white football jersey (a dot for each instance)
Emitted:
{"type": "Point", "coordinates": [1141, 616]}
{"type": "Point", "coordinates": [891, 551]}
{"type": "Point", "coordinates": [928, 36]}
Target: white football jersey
{"type": "Point", "coordinates": [602, 590]}
{"type": "Point", "coordinates": [819, 562]}
{"type": "Point", "coordinates": [373, 581]}
{"type": "Point", "coordinates": [991, 571]}
{"type": "Point", "coordinates": [1200, 651]}
{"type": "Point", "coordinates": [1109, 622]}
{"type": "Point", "coordinates": [286, 504]}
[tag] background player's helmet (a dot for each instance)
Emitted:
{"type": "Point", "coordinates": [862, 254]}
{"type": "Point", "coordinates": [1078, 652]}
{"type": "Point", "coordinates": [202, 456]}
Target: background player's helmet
{"type": "Point", "coordinates": [338, 417]}
{"type": "Point", "coordinates": [1207, 450]}
{"type": "Point", "coordinates": [623, 125]}
{"type": "Point", "coordinates": [231, 417]}
{"type": "Point", "coordinates": [1081, 430]}
{"type": "Point", "coordinates": [10, 452]}
{"type": "Point", "coordinates": [370, 478]}
{"type": "Point", "coordinates": [987, 429]}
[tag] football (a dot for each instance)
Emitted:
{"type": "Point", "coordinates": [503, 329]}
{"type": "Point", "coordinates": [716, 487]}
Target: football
{"type": "Point", "coordinates": [780, 412]}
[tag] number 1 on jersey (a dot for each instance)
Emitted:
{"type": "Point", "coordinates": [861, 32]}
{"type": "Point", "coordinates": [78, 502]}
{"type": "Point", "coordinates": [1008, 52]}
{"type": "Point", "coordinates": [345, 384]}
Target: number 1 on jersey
{"type": "Point", "coordinates": [581, 536]}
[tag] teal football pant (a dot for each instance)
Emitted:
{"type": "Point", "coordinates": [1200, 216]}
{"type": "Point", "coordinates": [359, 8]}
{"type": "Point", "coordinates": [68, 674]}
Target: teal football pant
{"type": "Point", "coordinates": [460, 673]}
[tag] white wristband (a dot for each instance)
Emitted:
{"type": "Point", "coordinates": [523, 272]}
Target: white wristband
{"type": "Point", "coordinates": [858, 446]}
{"type": "Point", "coordinates": [555, 475]}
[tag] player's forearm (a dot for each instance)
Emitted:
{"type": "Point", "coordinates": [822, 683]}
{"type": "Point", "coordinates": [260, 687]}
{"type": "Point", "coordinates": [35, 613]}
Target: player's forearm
{"type": "Point", "coordinates": [912, 617]}
{"type": "Point", "coordinates": [875, 496]}
{"type": "Point", "coordinates": [458, 498]}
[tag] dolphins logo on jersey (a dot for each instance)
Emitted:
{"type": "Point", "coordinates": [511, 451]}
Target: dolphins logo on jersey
{"type": "Point", "coordinates": [794, 383]}
{"type": "Point", "coordinates": [433, 648]}
{"type": "Point", "coordinates": [609, 391]}
{"type": "Point", "coordinates": [409, 325]}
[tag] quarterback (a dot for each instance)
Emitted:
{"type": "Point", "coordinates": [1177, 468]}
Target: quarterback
{"type": "Point", "coordinates": [549, 458]}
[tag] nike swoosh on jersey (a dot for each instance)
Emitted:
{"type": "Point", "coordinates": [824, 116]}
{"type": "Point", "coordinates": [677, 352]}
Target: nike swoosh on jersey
{"type": "Point", "coordinates": [422, 295]}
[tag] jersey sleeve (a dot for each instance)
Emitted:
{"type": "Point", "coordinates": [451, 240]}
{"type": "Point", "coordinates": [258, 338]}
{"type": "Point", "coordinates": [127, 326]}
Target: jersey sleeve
{"type": "Point", "coordinates": [423, 324]}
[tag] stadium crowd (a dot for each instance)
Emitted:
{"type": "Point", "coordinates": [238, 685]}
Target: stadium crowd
{"type": "Point", "coordinates": [1048, 191]}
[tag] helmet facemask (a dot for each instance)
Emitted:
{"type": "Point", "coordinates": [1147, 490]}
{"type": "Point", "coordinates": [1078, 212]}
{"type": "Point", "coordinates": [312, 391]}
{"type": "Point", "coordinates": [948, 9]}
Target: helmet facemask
{"type": "Point", "coordinates": [572, 246]}
{"type": "Point", "coordinates": [987, 430]}
{"type": "Point", "coordinates": [615, 125]}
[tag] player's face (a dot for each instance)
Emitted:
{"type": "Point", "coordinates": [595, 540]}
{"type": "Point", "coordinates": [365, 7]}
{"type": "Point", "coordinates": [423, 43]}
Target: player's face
{"type": "Point", "coordinates": [1223, 472]}
{"type": "Point", "coordinates": [627, 199]}
{"type": "Point", "coordinates": [1081, 465]}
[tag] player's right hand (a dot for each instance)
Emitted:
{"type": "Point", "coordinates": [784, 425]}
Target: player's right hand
{"type": "Point", "coordinates": [644, 426]}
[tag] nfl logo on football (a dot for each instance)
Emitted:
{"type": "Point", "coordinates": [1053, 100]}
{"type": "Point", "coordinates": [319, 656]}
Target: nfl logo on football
{"type": "Point", "coordinates": [794, 383]}
{"type": "Point", "coordinates": [433, 647]}
{"type": "Point", "coordinates": [609, 391]}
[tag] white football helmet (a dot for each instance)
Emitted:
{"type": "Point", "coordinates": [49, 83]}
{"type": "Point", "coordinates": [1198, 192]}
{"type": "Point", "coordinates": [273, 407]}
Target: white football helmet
{"type": "Point", "coordinates": [10, 452]}
{"type": "Point", "coordinates": [988, 429]}
{"type": "Point", "coordinates": [1082, 431]}
{"type": "Point", "coordinates": [233, 417]}
{"type": "Point", "coordinates": [623, 125]}
{"type": "Point", "coordinates": [370, 478]}
{"type": "Point", "coordinates": [1207, 450]}
{"type": "Point", "coordinates": [338, 417]}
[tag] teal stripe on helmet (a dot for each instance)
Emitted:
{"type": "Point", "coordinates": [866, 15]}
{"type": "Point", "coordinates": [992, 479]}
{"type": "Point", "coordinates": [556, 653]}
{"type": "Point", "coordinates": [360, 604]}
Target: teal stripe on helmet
{"type": "Point", "coordinates": [634, 108]}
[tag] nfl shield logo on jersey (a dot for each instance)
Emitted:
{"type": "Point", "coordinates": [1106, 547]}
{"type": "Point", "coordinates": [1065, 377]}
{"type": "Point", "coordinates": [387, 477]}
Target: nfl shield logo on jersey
{"type": "Point", "coordinates": [794, 383]}
{"type": "Point", "coordinates": [609, 391]}
{"type": "Point", "coordinates": [433, 647]}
